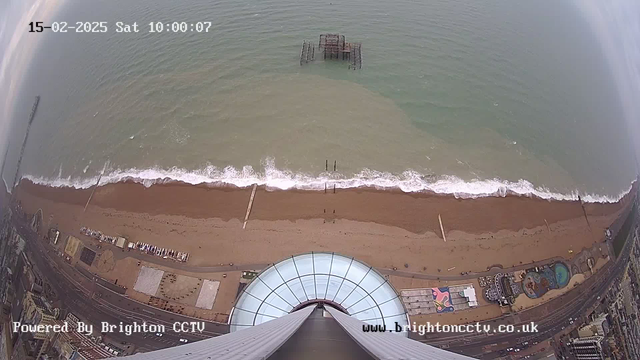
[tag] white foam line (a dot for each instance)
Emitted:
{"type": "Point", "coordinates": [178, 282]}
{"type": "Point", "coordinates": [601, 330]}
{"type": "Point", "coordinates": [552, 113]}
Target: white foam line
{"type": "Point", "coordinates": [409, 181]}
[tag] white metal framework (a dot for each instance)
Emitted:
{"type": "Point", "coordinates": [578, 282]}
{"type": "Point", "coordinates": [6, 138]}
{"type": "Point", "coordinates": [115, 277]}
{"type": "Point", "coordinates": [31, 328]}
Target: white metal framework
{"type": "Point", "coordinates": [387, 346]}
{"type": "Point", "coordinates": [342, 282]}
{"type": "Point", "coordinates": [261, 341]}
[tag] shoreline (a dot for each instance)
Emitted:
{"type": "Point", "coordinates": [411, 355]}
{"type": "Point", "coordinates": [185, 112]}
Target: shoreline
{"type": "Point", "coordinates": [278, 180]}
{"type": "Point", "coordinates": [385, 229]}
{"type": "Point", "coordinates": [414, 212]}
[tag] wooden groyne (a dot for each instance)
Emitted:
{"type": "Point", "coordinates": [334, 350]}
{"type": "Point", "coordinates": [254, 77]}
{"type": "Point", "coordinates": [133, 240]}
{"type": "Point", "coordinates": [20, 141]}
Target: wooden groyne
{"type": "Point", "coordinates": [253, 195]}
{"type": "Point", "coordinates": [95, 187]}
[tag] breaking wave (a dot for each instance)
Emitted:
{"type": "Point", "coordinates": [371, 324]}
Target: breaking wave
{"type": "Point", "coordinates": [409, 181]}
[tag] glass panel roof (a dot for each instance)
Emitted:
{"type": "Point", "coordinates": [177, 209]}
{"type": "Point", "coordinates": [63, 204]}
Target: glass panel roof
{"type": "Point", "coordinates": [345, 283]}
{"type": "Point", "coordinates": [286, 269]}
{"type": "Point", "coordinates": [250, 303]}
{"type": "Point", "coordinates": [322, 281]}
{"type": "Point", "coordinates": [296, 287]}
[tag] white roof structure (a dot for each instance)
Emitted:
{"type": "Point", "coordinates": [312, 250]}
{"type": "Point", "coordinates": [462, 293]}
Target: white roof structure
{"type": "Point", "coordinates": [342, 282]}
{"type": "Point", "coordinates": [120, 242]}
{"type": "Point", "coordinates": [470, 294]}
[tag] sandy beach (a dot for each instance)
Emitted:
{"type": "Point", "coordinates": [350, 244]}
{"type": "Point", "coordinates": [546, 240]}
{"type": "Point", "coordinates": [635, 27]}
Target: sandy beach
{"type": "Point", "coordinates": [386, 229]}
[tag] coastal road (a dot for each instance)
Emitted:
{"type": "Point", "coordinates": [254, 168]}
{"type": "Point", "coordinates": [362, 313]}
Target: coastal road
{"type": "Point", "coordinates": [96, 304]}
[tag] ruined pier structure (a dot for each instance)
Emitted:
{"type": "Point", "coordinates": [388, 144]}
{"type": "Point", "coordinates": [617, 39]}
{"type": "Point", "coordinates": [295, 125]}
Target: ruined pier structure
{"type": "Point", "coordinates": [333, 46]}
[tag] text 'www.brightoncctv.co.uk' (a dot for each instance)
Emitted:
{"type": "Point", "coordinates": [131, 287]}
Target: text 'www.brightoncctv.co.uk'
{"type": "Point", "coordinates": [477, 328]}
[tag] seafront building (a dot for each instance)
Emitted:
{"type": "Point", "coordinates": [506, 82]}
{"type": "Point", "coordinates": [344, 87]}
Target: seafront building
{"type": "Point", "coordinates": [35, 312]}
{"type": "Point", "coordinates": [431, 300]}
{"type": "Point", "coordinates": [74, 345]}
{"type": "Point", "coordinates": [68, 345]}
{"type": "Point", "coordinates": [588, 348]}
{"type": "Point", "coordinates": [598, 327]}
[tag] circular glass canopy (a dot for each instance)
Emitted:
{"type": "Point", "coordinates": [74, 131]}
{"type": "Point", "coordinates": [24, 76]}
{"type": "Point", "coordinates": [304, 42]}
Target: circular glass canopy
{"type": "Point", "coordinates": [345, 283]}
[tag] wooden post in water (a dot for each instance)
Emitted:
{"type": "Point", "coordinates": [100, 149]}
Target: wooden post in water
{"type": "Point", "coordinates": [326, 165]}
{"type": "Point", "coordinates": [335, 165]}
